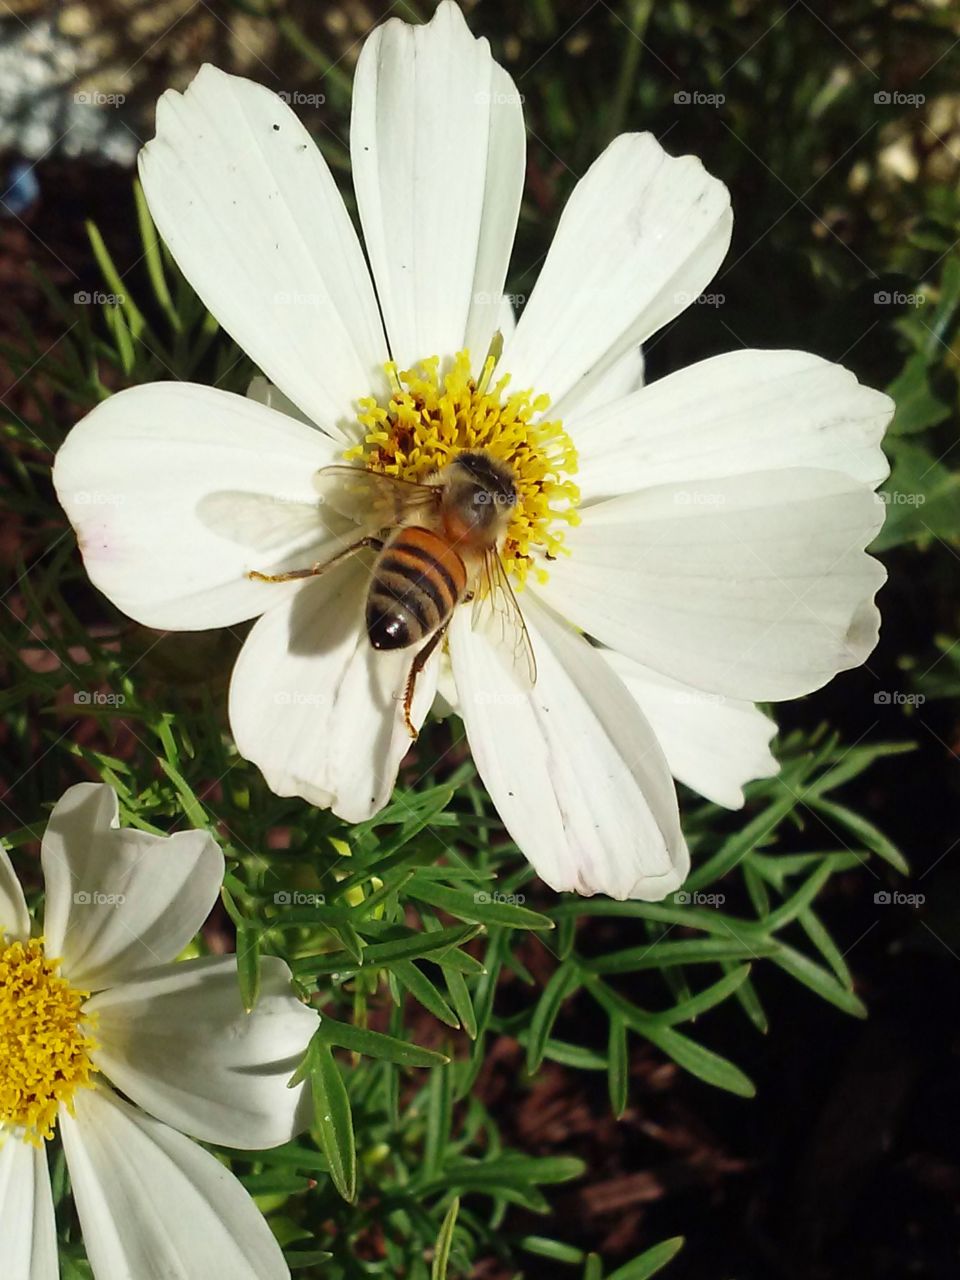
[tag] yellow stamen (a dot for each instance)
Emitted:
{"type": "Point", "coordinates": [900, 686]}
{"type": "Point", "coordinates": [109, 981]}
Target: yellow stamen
{"type": "Point", "coordinates": [44, 1040]}
{"type": "Point", "coordinates": [430, 418]}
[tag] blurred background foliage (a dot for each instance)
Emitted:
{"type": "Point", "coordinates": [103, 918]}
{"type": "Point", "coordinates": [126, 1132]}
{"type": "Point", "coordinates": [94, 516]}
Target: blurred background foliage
{"type": "Point", "coordinates": [513, 1084]}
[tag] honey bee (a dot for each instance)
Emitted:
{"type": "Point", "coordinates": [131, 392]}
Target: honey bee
{"type": "Point", "coordinates": [438, 545]}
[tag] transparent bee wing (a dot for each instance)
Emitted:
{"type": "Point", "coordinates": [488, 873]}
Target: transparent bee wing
{"type": "Point", "coordinates": [495, 610]}
{"type": "Point", "coordinates": [372, 499]}
{"type": "Point", "coordinates": [260, 521]}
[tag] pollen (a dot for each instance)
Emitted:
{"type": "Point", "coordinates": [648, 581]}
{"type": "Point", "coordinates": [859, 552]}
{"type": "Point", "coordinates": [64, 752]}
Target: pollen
{"type": "Point", "coordinates": [45, 1044]}
{"type": "Point", "coordinates": [433, 416]}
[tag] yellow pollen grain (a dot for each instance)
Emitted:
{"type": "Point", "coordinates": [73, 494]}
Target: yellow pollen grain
{"type": "Point", "coordinates": [44, 1041]}
{"type": "Point", "coordinates": [431, 417]}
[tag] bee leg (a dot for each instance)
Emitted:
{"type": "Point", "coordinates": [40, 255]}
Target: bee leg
{"type": "Point", "coordinates": [316, 569]}
{"type": "Point", "coordinates": [419, 662]}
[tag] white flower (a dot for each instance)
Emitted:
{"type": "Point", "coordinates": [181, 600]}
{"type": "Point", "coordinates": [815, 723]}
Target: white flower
{"type": "Point", "coordinates": [723, 511]}
{"type": "Point", "coordinates": [97, 999]}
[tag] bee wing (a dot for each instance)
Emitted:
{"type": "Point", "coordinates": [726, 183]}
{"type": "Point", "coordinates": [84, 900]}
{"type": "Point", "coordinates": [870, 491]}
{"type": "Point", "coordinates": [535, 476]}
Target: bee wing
{"type": "Point", "coordinates": [496, 606]}
{"type": "Point", "coordinates": [372, 499]}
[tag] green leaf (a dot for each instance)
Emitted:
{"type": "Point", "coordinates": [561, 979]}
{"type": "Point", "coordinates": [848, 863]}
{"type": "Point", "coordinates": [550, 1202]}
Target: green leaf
{"type": "Point", "coordinates": [482, 906]}
{"type": "Point", "coordinates": [423, 991]}
{"type": "Point", "coordinates": [563, 982]}
{"type": "Point", "coordinates": [918, 405]}
{"type": "Point", "coordinates": [713, 995]}
{"type": "Point", "coordinates": [701, 1062]}
{"type": "Point", "coordinates": [374, 1044]}
{"type": "Point", "coordinates": [248, 966]}
{"type": "Point", "coordinates": [299, 1258]}
{"type": "Point", "coordinates": [819, 980]}
{"type": "Point", "coordinates": [441, 1254]}
{"type": "Point", "coordinates": [414, 945]}
{"type": "Point", "coordinates": [864, 830]}
{"type": "Point", "coordinates": [333, 1119]}
{"type": "Point", "coordinates": [649, 1263]}
{"type": "Point", "coordinates": [555, 1250]}
{"type": "Point", "coordinates": [658, 955]}
{"type": "Point", "coordinates": [460, 997]}
{"type": "Point", "coordinates": [618, 1070]}
{"type": "Point", "coordinates": [439, 1098]}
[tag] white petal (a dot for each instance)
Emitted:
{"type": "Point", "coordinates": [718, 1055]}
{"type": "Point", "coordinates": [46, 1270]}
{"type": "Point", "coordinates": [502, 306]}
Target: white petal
{"type": "Point", "coordinates": [752, 586]}
{"type": "Point", "coordinates": [316, 708]}
{"type": "Point", "coordinates": [265, 392]}
{"type": "Point", "coordinates": [14, 916]}
{"type": "Point", "coordinates": [154, 1204]}
{"type": "Point", "coordinates": [609, 385]}
{"type": "Point", "coordinates": [573, 768]}
{"type": "Point", "coordinates": [119, 900]}
{"type": "Point", "coordinates": [437, 144]}
{"type": "Point", "coordinates": [713, 744]}
{"type": "Point", "coordinates": [179, 1044]}
{"type": "Point", "coordinates": [735, 413]}
{"type": "Point", "coordinates": [28, 1237]}
{"type": "Point", "coordinates": [247, 206]}
{"type": "Point", "coordinates": [177, 491]}
{"type": "Point", "coordinates": [641, 235]}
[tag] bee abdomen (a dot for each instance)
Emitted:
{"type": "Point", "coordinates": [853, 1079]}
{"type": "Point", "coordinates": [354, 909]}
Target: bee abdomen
{"type": "Point", "coordinates": [417, 581]}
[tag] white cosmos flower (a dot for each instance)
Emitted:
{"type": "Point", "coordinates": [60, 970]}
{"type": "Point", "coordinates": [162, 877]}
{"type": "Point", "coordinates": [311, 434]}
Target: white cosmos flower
{"type": "Point", "coordinates": [97, 1003]}
{"type": "Point", "coordinates": [723, 511]}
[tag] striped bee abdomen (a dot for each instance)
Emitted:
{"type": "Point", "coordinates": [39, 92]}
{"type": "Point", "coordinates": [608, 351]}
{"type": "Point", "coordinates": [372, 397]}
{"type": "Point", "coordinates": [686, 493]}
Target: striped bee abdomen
{"type": "Point", "coordinates": [417, 580]}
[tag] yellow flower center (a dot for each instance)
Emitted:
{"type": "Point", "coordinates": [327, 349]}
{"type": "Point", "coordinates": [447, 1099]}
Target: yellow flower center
{"type": "Point", "coordinates": [44, 1045]}
{"type": "Point", "coordinates": [430, 418]}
